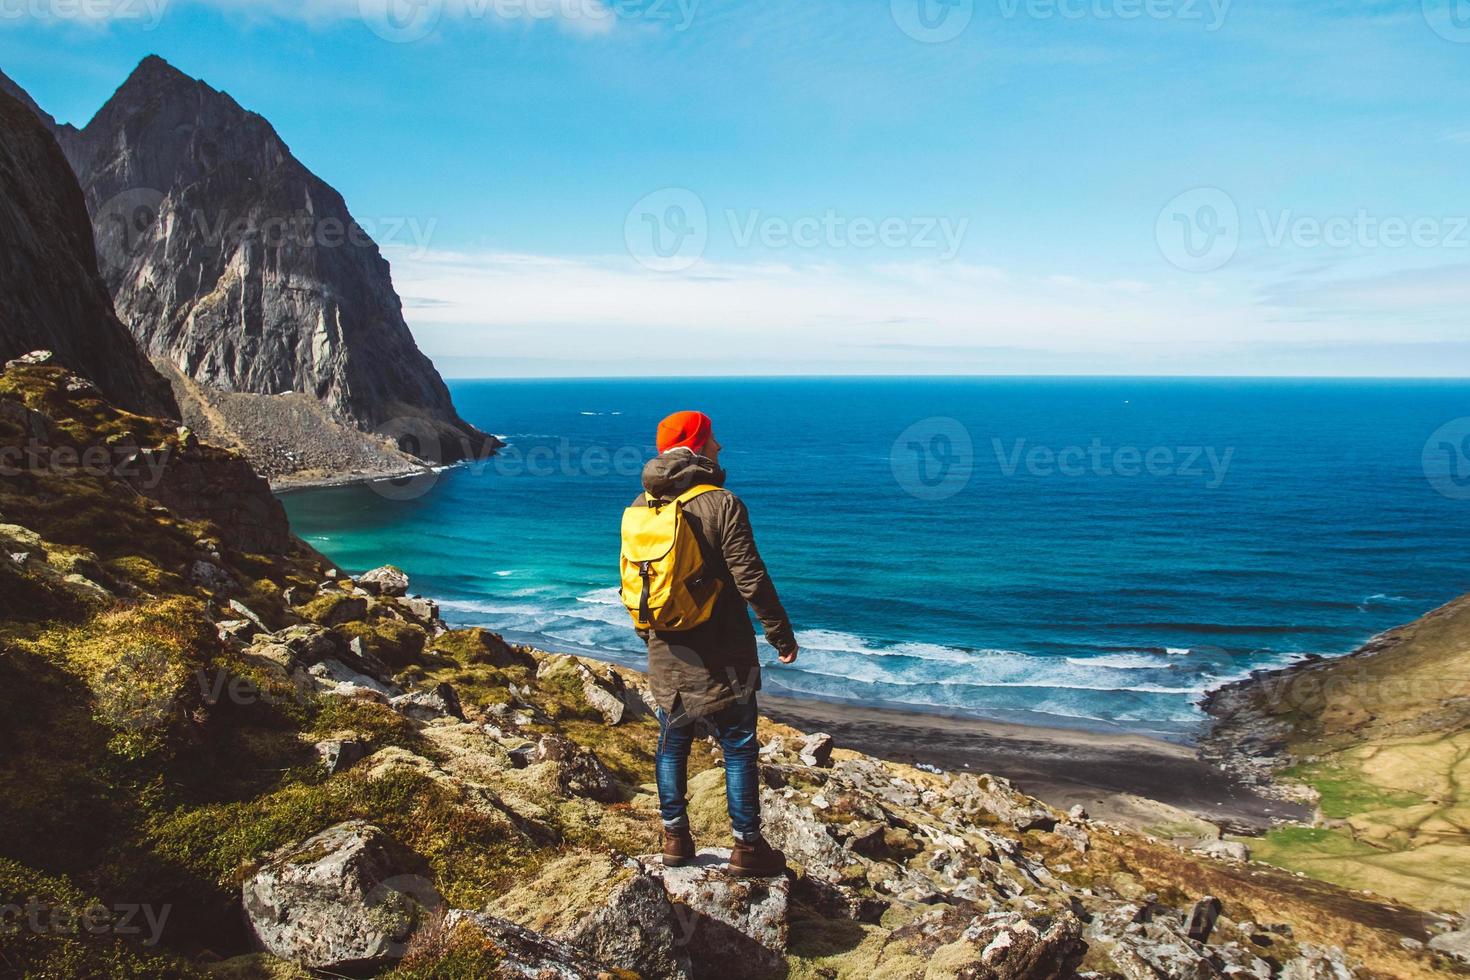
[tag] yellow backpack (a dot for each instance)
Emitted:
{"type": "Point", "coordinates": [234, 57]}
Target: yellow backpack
{"type": "Point", "coordinates": [664, 582]}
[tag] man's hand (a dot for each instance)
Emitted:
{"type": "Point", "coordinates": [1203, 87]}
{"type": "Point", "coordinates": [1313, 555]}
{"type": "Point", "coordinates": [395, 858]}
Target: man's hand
{"type": "Point", "coordinates": [788, 658]}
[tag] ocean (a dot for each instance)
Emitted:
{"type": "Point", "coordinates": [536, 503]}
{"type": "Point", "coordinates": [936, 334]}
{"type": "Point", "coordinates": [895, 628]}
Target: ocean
{"type": "Point", "coordinates": [1094, 553]}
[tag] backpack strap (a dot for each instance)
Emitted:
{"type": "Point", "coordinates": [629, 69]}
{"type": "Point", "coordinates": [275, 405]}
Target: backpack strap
{"type": "Point", "coordinates": [684, 497]}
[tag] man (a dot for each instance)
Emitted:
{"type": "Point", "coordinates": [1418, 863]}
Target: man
{"type": "Point", "coordinates": [710, 673]}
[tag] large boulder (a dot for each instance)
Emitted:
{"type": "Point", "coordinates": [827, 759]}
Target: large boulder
{"type": "Point", "coordinates": [389, 580]}
{"type": "Point", "coordinates": [520, 952]}
{"type": "Point", "coordinates": [735, 928]}
{"type": "Point", "coordinates": [349, 898]}
{"type": "Point", "coordinates": [607, 906]}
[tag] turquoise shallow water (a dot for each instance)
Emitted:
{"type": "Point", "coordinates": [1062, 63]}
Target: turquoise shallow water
{"type": "Point", "coordinates": [1076, 552]}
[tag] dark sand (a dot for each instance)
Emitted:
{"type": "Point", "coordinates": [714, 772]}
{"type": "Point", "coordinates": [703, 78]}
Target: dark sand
{"type": "Point", "coordinates": [1112, 775]}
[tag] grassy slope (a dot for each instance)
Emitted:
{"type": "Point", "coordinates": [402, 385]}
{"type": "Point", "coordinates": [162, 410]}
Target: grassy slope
{"type": "Point", "coordinates": [123, 783]}
{"type": "Point", "coordinates": [1383, 738]}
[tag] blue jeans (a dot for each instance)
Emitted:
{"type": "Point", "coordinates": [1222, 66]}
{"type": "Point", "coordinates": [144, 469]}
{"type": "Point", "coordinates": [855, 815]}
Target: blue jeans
{"type": "Point", "coordinates": [735, 727]}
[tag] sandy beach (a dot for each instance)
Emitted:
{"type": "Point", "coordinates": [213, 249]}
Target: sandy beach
{"type": "Point", "coordinates": [1116, 777]}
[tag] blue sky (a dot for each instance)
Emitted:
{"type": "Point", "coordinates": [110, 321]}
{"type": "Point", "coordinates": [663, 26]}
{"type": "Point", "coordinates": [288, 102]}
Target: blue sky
{"type": "Point", "coordinates": [571, 187]}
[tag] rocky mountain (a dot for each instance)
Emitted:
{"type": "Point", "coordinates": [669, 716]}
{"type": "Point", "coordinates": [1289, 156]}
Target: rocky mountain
{"type": "Point", "coordinates": [1379, 741]}
{"type": "Point", "coordinates": [246, 278]}
{"type": "Point", "coordinates": [53, 298]}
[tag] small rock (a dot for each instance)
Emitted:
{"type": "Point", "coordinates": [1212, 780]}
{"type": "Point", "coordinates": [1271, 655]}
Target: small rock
{"type": "Point", "coordinates": [1453, 944]}
{"type": "Point", "coordinates": [210, 576]}
{"type": "Point", "coordinates": [387, 580]}
{"type": "Point", "coordinates": [1316, 963]}
{"type": "Point", "coordinates": [603, 695]}
{"type": "Point", "coordinates": [1077, 814]}
{"type": "Point", "coordinates": [1202, 918]}
{"type": "Point", "coordinates": [23, 539]}
{"type": "Point", "coordinates": [581, 773]}
{"type": "Point", "coordinates": [84, 586]}
{"type": "Point", "coordinates": [345, 610]}
{"type": "Point", "coordinates": [335, 677]}
{"type": "Point", "coordinates": [424, 610]}
{"type": "Point", "coordinates": [35, 358]}
{"type": "Point", "coordinates": [1074, 835]}
{"type": "Point", "coordinates": [349, 898]}
{"type": "Point", "coordinates": [1224, 850]}
{"type": "Point", "coordinates": [816, 750]}
{"type": "Point", "coordinates": [339, 755]}
{"type": "Point", "coordinates": [238, 630]}
{"type": "Point", "coordinates": [240, 609]}
{"type": "Point", "coordinates": [441, 702]}
{"type": "Point", "coordinates": [522, 756]}
{"type": "Point", "coordinates": [296, 595]}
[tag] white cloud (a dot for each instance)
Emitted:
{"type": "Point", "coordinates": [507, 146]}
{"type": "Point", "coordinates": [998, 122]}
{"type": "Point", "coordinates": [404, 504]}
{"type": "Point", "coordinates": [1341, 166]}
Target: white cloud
{"type": "Point", "coordinates": [395, 20]}
{"type": "Point", "coordinates": [607, 313]}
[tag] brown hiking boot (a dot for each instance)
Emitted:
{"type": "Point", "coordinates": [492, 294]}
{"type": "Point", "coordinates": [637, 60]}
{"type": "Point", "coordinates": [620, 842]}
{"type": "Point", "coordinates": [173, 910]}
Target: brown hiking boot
{"type": "Point", "coordinates": [678, 847]}
{"type": "Point", "coordinates": [756, 860]}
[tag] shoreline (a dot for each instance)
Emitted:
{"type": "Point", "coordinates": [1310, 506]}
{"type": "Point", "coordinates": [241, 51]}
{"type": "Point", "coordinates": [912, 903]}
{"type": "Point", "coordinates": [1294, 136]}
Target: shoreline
{"type": "Point", "coordinates": [280, 487]}
{"type": "Point", "coordinates": [1114, 776]}
{"type": "Point", "coordinates": [1132, 779]}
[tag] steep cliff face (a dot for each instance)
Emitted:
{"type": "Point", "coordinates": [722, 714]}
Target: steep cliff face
{"type": "Point", "coordinates": [245, 272]}
{"type": "Point", "coordinates": [52, 297]}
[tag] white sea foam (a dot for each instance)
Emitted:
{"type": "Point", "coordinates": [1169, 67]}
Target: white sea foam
{"type": "Point", "coordinates": [1121, 661]}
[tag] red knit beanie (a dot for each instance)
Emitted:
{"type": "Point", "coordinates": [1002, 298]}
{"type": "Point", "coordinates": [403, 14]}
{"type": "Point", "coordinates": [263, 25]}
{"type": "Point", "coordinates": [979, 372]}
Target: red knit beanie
{"type": "Point", "coordinates": [690, 429]}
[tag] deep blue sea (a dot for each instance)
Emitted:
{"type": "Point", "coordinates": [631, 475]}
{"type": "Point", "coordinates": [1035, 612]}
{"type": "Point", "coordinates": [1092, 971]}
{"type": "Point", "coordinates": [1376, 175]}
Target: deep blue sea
{"type": "Point", "coordinates": [1092, 553]}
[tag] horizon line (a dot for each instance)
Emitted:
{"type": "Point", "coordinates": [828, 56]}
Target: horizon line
{"type": "Point", "coordinates": [960, 377]}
